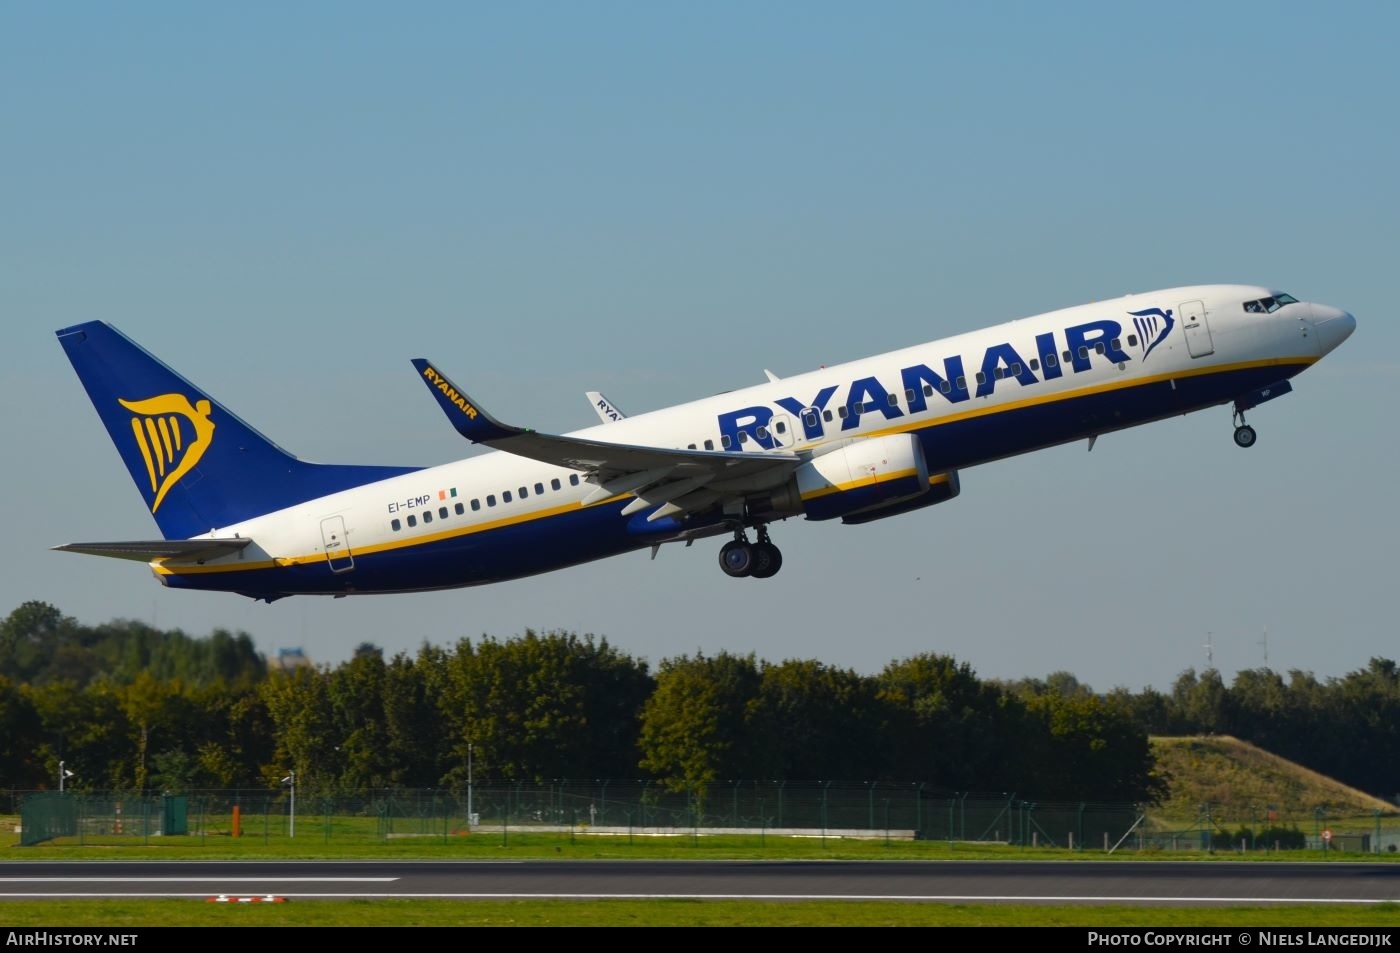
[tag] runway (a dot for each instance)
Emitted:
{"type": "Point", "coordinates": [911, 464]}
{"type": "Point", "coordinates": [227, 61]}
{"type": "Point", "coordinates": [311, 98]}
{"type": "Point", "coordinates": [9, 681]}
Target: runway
{"type": "Point", "coordinates": [1199, 884]}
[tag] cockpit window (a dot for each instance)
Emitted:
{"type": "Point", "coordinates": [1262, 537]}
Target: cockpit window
{"type": "Point", "coordinates": [1269, 305]}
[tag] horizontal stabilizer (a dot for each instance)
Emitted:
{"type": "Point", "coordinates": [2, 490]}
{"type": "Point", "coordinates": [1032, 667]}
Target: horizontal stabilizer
{"type": "Point", "coordinates": [147, 550]}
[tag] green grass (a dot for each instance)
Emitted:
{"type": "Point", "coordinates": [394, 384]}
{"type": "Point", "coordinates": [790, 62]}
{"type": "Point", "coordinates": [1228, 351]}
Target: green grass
{"type": "Point", "coordinates": [352, 843]}
{"type": "Point", "coordinates": [117, 914]}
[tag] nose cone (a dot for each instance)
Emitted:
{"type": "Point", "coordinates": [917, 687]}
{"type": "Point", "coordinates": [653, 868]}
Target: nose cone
{"type": "Point", "coordinates": [1332, 326]}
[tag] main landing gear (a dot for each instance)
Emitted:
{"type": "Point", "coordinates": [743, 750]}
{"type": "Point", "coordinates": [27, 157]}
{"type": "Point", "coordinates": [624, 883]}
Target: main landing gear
{"type": "Point", "coordinates": [1244, 433]}
{"type": "Point", "coordinates": [739, 557]}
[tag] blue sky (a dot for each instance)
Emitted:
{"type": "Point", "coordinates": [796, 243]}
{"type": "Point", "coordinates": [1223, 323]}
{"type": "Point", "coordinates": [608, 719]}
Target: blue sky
{"type": "Point", "coordinates": [287, 202]}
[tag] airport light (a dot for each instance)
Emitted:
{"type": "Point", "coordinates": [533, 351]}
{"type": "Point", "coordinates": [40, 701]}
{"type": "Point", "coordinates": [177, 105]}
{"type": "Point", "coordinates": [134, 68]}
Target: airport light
{"type": "Point", "coordinates": [291, 779]}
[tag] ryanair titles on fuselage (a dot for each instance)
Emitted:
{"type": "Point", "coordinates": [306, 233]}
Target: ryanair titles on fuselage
{"type": "Point", "coordinates": [868, 395]}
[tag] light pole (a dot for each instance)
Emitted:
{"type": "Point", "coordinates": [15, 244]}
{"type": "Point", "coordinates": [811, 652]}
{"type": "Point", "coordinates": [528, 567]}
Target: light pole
{"type": "Point", "coordinates": [63, 775]}
{"type": "Point", "coordinates": [470, 816]}
{"type": "Point", "coordinates": [291, 779]}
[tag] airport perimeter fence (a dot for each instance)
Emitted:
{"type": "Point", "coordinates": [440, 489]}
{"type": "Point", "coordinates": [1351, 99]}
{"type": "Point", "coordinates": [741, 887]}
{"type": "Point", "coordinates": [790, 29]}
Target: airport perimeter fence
{"type": "Point", "coordinates": [1242, 830]}
{"type": "Point", "coordinates": [637, 809]}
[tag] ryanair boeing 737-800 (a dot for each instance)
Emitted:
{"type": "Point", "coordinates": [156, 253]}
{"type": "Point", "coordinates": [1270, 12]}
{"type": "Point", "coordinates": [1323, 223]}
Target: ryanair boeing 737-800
{"type": "Point", "coordinates": [860, 441]}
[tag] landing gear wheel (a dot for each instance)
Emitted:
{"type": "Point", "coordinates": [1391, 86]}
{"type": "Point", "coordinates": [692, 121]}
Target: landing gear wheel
{"type": "Point", "coordinates": [736, 558]}
{"type": "Point", "coordinates": [767, 560]}
{"type": "Point", "coordinates": [1245, 436]}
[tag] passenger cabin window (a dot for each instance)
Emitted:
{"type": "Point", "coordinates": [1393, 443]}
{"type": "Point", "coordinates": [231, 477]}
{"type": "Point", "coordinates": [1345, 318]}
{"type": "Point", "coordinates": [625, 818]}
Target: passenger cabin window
{"type": "Point", "coordinates": [442, 512]}
{"type": "Point", "coordinates": [539, 489]}
{"type": "Point", "coordinates": [554, 484]}
{"type": "Point", "coordinates": [505, 496]}
{"type": "Point", "coordinates": [826, 415]}
{"type": "Point", "coordinates": [1132, 340]}
{"type": "Point", "coordinates": [690, 446]}
{"type": "Point", "coordinates": [781, 427]}
{"type": "Point", "coordinates": [413, 521]}
{"type": "Point", "coordinates": [944, 386]}
{"type": "Point", "coordinates": [490, 499]}
{"type": "Point", "coordinates": [928, 389]}
{"type": "Point", "coordinates": [1051, 360]}
{"type": "Point", "coordinates": [573, 479]}
{"type": "Point", "coordinates": [427, 516]}
{"type": "Point", "coordinates": [1035, 364]}
{"type": "Point", "coordinates": [981, 378]}
{"type": "Point", "coordinates": [809, 419]}
{"type": "Point", "coordinates": [894, 400]}
{"type": "Point", "coordinates": [1083, 352]}
{"type": "Point", "coordinates": [762, 433]}
{"type": "Point", "coordinates": [459, 509]}
{"type": "Point", "coordinates": [724, 441]}
{"type": "Point", "coordinates": [524, 492]}
{"type": "Point", "coordinates": [395, 525]}
{"type": "Point", "coordinates": [476, 505]}
{"type": "Point", "coordinates": [709, 444]}
{"type": "Point", "coordinates": [1099, 347]}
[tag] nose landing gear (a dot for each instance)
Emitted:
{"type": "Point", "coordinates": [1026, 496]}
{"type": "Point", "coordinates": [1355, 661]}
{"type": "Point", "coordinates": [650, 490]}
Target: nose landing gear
{"type": "Point", "coordinates": [739, 557]}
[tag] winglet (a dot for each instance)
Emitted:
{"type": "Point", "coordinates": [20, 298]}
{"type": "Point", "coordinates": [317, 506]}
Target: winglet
{"type": "Point", "coordinates": [605, 408]}
{"type": "Point", "coordinates": [465, 414]}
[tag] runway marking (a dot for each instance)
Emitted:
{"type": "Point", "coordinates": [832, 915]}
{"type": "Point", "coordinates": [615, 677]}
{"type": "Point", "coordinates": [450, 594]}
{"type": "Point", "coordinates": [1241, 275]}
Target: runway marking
{"type": "Point", "coordinates": [961, 898]}
{"type": "Point", "coordinates": [195, 880]}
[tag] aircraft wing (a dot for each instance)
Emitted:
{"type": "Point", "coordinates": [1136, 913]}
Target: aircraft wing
{"type": "Point", "coordinates": [147, 550]}
{"type": "Point", "coordinates": [673, 481]}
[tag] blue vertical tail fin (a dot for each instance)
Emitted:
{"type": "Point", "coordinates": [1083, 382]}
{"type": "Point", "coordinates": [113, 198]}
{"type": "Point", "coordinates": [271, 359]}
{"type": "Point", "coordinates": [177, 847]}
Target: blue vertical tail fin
{"type": "Point", "coordinates": [198, 466]}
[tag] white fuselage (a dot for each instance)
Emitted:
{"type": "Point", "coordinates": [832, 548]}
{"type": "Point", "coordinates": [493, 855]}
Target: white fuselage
{"type": "Point", "coordinates": [968, 399]}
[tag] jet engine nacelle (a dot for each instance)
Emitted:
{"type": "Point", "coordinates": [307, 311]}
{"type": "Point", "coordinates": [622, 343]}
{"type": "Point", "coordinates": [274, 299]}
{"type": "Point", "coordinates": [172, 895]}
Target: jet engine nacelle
{"type": "Point", "coordinates": [865, 480]}
{"type": "Point", "coordinates": [864, 477]}
{"type": "Point", "coordinates": [942, 487]}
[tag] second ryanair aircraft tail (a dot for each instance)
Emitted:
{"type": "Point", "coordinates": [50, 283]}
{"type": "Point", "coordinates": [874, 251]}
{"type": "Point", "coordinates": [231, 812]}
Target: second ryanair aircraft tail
{"type": "Point", "coordinates": [198, 466]}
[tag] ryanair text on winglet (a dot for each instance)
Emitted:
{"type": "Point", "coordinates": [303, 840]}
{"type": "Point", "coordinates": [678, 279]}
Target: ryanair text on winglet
{"type": "Point", "coordinates": [450, 392]}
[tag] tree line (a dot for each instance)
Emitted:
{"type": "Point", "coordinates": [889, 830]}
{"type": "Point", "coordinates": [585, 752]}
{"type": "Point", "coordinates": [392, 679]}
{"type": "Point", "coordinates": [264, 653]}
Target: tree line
{"type": "Point", "coordinates": [128, 707]}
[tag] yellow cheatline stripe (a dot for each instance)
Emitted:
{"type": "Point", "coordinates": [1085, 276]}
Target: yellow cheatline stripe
{"type": "Point", "coordinates": [1104, 388]}
{"type": "Point", "coordinates": [160, 566]}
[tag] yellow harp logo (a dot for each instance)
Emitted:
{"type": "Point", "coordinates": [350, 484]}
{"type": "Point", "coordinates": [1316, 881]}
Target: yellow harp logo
{"type": "Point", "coordinates": [172, 435]}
